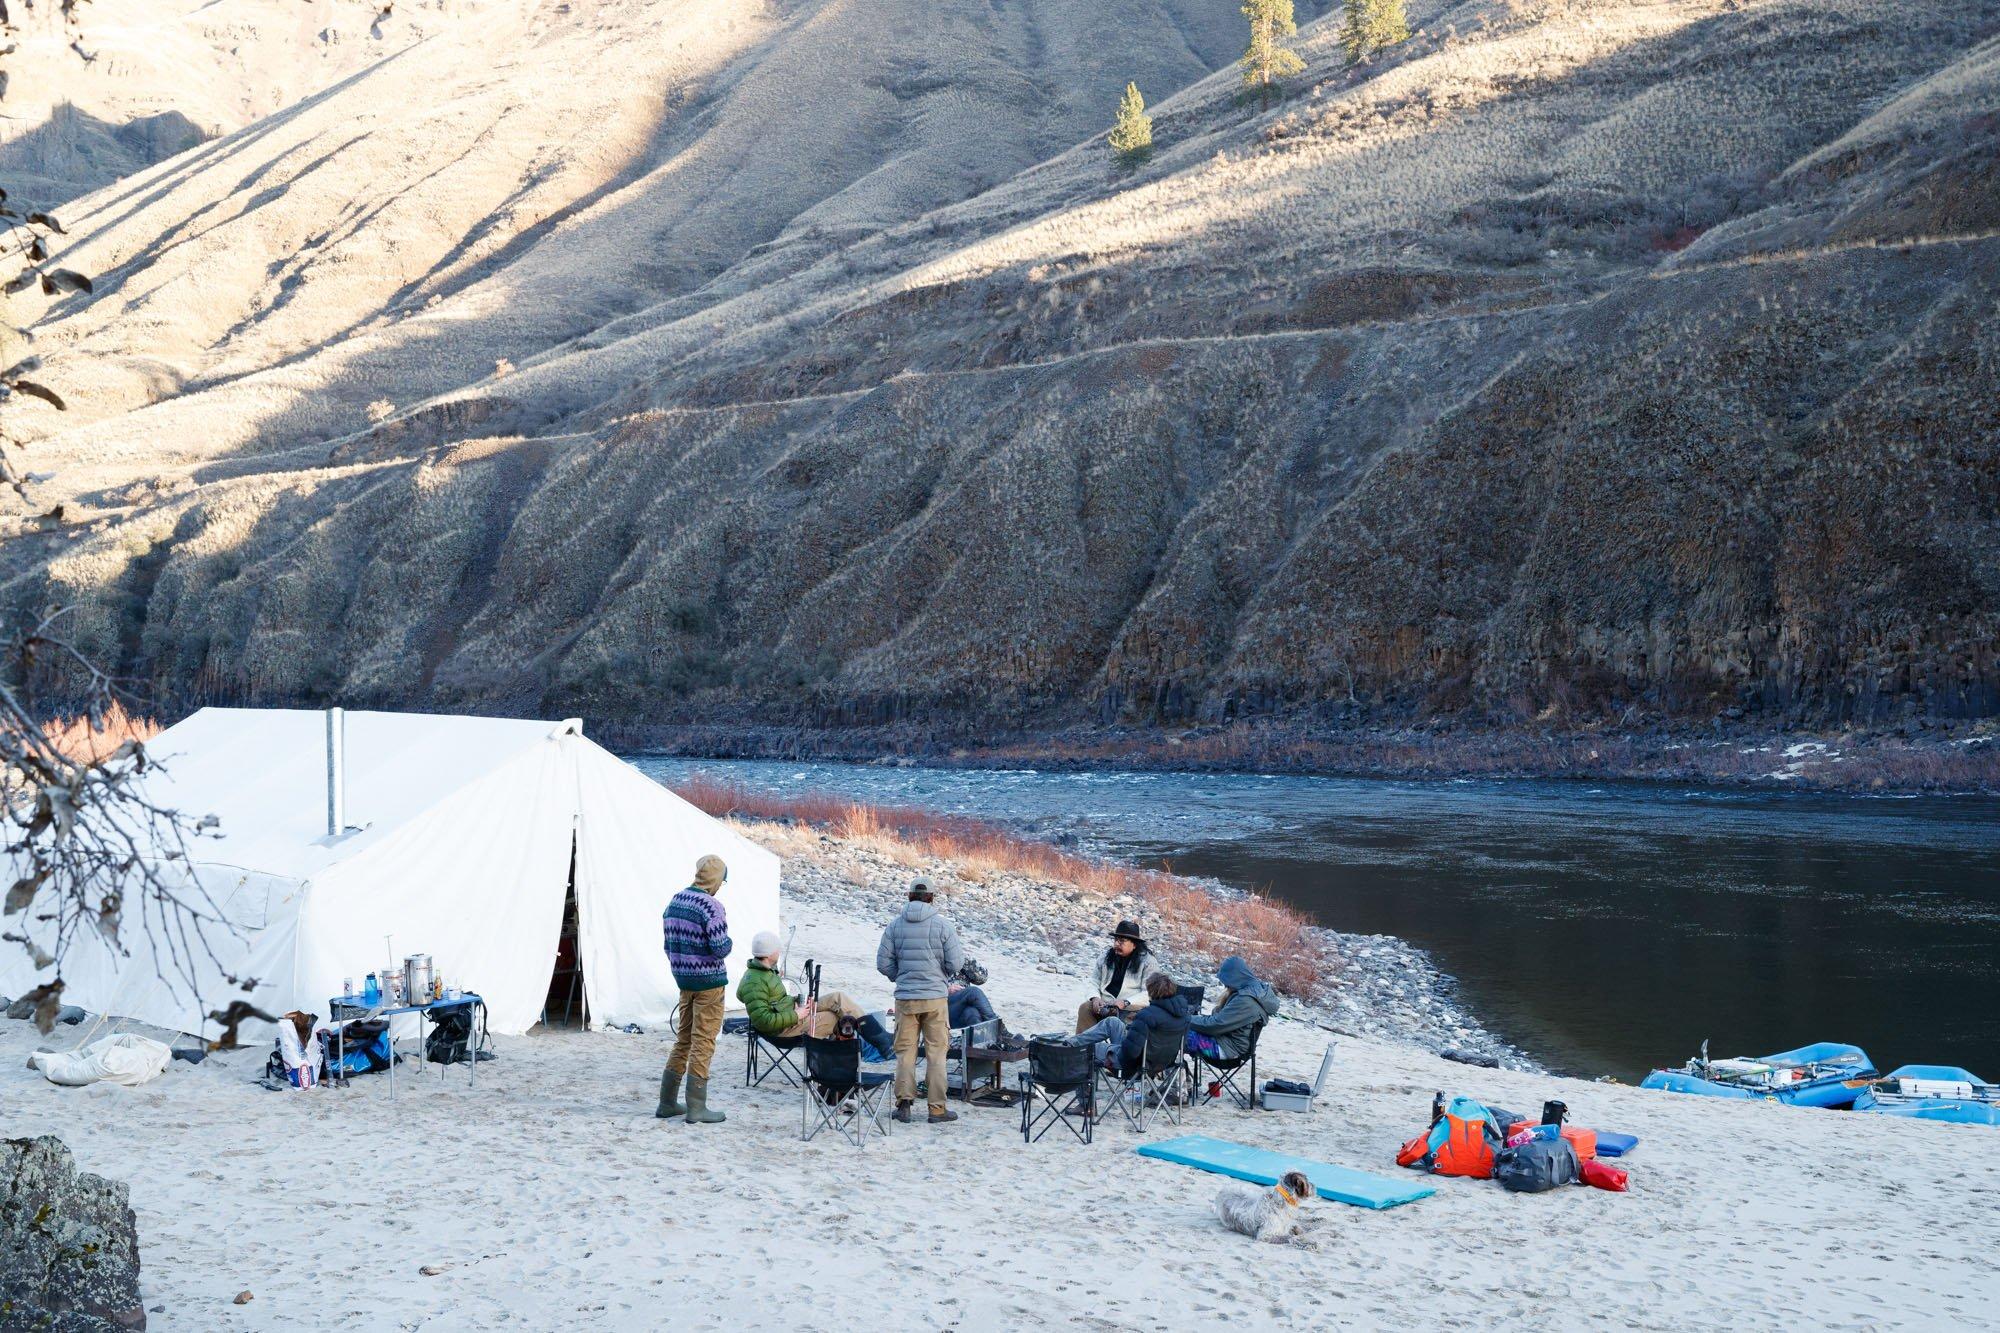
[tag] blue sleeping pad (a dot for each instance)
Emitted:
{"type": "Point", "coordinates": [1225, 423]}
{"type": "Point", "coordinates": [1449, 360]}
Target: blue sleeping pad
{"type": "Point", "coordinates": [1610, 1143]}
{"type": "Point", "coordinates": [1263, 1167]}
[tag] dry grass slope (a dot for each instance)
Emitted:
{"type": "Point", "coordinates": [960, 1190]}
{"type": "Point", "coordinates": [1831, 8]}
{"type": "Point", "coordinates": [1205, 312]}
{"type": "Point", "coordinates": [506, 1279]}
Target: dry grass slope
{"type": "Point", "coordinates": [1576, 360]}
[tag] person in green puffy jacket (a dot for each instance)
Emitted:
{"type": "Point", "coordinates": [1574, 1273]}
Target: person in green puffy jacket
{"type": "Point", "coordinates": [775, 1012]}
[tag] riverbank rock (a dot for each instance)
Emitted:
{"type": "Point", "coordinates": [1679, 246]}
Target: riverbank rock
{"type": "Point", "coordinates": [69, 1247]}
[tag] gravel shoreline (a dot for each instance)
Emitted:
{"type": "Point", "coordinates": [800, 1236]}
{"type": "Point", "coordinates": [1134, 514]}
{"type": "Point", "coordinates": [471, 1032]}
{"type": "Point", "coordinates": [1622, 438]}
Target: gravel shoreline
{"type": "Point", "coordinates": [1378, 985]}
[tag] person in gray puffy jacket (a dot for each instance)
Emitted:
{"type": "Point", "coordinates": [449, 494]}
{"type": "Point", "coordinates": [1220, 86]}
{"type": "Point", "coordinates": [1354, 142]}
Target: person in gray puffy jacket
{"type": "Point", "coordinates": [1248, 1001]}
{"type": "Point", "coordinates": [920, 952]}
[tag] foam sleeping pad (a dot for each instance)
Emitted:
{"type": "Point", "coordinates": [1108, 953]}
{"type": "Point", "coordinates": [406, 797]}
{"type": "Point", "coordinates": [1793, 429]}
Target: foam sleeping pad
{"type": "Point", "coordinates": [1613, 1144]}
{"type": "Point", "coordinates": [1263, 1167]}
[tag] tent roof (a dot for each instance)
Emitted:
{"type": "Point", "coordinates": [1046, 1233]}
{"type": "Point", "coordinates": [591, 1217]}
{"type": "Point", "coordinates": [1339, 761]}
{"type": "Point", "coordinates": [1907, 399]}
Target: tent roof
{"type": "Point", "coordinates": [262, 773]}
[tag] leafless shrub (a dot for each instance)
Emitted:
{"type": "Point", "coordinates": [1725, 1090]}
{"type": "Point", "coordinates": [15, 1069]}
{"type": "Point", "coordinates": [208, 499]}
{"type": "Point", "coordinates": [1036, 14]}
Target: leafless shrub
{"type": "Point", "coordinates": [1267, 934]}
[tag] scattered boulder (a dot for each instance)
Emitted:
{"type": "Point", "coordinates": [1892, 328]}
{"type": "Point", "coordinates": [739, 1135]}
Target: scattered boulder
{"type": "Point", "coordinates": [69, 1246]}
{"type": "Point", "coordinates": [21, 1008]}
{"type": "Point", "coordinates": [243, 1298]}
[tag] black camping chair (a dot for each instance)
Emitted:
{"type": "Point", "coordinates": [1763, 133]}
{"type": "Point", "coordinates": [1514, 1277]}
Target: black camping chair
{"type": "Point", "coordinates": [1059, 1086]}
{"type": "Point", "coordinates": [1159, 1085]}
{"type": "Point", "coordinates": [771, 1055]}
{"type": "Point", "coordinates": [1227, 1072]}
{"type": "Point", "coordinates": [838, 1095]}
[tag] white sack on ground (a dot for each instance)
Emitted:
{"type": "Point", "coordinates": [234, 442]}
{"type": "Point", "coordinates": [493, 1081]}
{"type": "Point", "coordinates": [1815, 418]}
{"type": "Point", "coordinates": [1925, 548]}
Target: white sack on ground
{"type": "Point", "coordinates": [125, 1057]}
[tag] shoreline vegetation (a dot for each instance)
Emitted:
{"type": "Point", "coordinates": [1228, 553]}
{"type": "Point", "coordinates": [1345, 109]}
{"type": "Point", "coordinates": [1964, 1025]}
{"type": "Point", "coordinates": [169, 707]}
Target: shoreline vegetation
{"type": "Point", "coordinates": [1954, 759]}
{"type": "Point", "coordinates": [1193, 917]}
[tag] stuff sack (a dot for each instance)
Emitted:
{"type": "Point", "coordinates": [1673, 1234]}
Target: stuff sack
{"type": "Point", "coordinates": [367, 1049]}
{"type": "Point", "coordinates": [1604, 1176]}
{"type": "Point", "coordinates": [1461, 1142]}
{"type": "Point", "coordinates": [1537, 1165]}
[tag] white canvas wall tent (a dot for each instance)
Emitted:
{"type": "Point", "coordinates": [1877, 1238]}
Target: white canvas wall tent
{"type": "Point", "coordinates": [459, 838]}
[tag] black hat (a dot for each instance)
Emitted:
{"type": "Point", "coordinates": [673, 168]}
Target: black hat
{"type": "Point", "coordinates": [1128, 930]}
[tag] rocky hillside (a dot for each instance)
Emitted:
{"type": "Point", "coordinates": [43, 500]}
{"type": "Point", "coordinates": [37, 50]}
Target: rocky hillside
{"type": "Point", "coordinates": [1571, 360]}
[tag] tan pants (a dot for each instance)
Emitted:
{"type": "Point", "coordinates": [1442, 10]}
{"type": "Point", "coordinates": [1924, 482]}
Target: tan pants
{"type": "Point", "coordinates": [832, 1008]}
{"type": "Point", "coordinates": [698, 1020]}
{"type": "Point", "coordinates": [930, 1019]}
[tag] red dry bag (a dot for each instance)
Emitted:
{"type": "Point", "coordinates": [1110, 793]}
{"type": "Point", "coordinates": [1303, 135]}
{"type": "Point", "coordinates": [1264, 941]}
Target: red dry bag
{"type": "Point", "coordinates": [1604, 1175]}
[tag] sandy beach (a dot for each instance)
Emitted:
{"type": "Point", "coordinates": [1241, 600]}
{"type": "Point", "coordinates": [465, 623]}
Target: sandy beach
{"type": "Point", "coordinates": [547, 1196]}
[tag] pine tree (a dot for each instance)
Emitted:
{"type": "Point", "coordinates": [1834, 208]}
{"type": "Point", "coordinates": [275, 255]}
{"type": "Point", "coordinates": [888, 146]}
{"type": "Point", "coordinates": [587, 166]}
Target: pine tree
{"type": "Point", "coordinates": [1268, 58]}
{"type": "Point", "coordinates": [1370, 25]}
{"type": "Point", "coordinates": [1132, 132]}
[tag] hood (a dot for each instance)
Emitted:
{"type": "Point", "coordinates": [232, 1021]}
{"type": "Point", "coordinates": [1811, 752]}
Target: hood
{"type": "Point", "coordinates": [1236, 974]}
{"type": "Point", "coordinates": [1175, 1005]}
{"type": "Point", "coordinates": [919, 911]}
{"type": "Point", "coordinates": [759, 965]}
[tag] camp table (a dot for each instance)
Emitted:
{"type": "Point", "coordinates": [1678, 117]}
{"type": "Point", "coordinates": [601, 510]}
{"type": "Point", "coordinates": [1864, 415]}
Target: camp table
{"type": "Point", "coordinates": [354, 1006]}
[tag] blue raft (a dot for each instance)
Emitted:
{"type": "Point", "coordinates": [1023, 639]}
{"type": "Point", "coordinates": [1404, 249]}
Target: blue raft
{"type": "Point", "coordinates": [1933, 1092]}
{"type": "Point", "coordinates": [1825, 1074]}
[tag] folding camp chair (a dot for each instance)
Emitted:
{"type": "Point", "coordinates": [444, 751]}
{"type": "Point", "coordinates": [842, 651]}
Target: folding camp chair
{"type": "Point", "coordinates": [838, 1095]}
{"type": "Point", "coordinates": [768, 1056]}
{"type": "Point", "coordinates": [1059, 1085]}
{"type": "Point", "coordinates": [1226, 1072]}
{"type": "Point", "coordinates": [1161, 1085]}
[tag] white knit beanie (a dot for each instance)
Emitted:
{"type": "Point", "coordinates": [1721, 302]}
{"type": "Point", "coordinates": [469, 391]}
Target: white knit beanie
{"type": "Point", "coordinates": [764, 945]}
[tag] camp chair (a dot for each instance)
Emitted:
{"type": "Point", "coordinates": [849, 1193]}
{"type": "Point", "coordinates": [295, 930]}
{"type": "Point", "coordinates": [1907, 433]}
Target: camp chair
{"type": "Point", "coordinates": [838, 1095]}
{"type": "Point", "coordinates": [770, 1055]}
{"type": "Point", "coordinates": [1161, 1085]}
{"type": "Point", "coordinates": [1059, 1085]}
{"type": "Point", "coordinates": [1226, 1072]}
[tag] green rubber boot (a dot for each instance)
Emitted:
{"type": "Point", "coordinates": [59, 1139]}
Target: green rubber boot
{"type": "Point", "coordinates": [697, 1110]}
{"type": "Point", "coordinates": [670, 1096]}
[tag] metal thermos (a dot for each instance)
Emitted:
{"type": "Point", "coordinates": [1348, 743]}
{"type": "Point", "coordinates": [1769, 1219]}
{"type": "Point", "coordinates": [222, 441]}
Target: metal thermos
{"type": "Point", "coordinates": [417, 978]}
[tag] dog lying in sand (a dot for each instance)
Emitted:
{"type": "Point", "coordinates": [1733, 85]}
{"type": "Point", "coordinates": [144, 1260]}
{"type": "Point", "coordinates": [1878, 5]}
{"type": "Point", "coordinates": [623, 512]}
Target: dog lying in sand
{"type": "Point", "coordinates": [1271, 1215]}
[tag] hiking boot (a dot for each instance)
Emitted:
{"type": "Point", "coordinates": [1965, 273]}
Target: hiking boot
{"type": "Point", "coordinates": [944, 1117]}
{"type": "Point", "coordinates": [670, 1097]}
{"type": "Point", "coordinates": [902, 1113]}
{"type": "Point", "coordinates": [697, 1106]}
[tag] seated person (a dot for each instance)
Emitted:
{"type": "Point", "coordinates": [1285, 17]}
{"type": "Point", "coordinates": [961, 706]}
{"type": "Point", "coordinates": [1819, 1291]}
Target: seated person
{"type": "Point", "coordinates": [1158, 1029]}
{"type": "Point", "coordinates": [1225, 1034]}
{"type": "Point", "coordinates": [776, 1013]}
{"type": "Point", "coordinates": [1122, 974]}
{"type": "Point", "coordinates": [967, 1002]}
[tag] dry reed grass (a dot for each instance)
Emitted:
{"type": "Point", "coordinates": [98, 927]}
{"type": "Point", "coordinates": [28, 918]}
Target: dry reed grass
{"type": "Point", "coordinates": [1266, 934]}
{"type": "Point", "coordinates": [87, 739]}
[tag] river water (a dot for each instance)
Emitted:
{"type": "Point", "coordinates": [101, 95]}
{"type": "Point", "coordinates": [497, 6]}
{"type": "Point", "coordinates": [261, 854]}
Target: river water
{"type": "Point", "coordinates": [1602, 928]}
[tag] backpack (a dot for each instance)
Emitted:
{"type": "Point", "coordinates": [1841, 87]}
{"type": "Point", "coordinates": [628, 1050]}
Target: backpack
{"type": "Point", "coordinates": [1461, 1142]}
{"type": "Point", "coordinates": [1537, 1165]}
{"type": "Point", "coordinates": [452, 1039]}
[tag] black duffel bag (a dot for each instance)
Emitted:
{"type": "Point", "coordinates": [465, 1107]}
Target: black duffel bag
{"type": "Point", "coordinates": [1537, 1165]}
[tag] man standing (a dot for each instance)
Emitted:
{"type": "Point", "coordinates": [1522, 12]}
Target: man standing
{"type": "Point", "coordinates": [920, 952]}
{"type": "Point", "coordinates": [697, 941]}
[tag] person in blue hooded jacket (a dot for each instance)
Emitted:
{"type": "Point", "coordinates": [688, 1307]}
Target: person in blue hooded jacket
{"type": "Point", "coordinates": [1247, 1001]}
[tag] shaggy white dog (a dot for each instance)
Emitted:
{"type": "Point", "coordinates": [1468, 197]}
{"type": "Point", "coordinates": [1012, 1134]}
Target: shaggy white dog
{"type": "Point", "coordinates": [1272, 1215]}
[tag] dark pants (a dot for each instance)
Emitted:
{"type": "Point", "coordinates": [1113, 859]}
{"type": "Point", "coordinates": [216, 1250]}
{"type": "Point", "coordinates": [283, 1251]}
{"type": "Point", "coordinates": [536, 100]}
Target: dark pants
{"type": "Point", "coordinates": [969, 1005]}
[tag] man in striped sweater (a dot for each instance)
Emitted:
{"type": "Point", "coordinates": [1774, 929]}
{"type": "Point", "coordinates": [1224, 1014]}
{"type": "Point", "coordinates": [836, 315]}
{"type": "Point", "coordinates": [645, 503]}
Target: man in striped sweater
{"type": "Point", "coordinates": [697, 939]}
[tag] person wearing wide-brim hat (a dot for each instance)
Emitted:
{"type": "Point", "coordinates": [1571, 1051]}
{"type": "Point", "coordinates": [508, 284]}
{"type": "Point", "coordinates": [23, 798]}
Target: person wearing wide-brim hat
{"type": "Point", "coordinates": [1122, 974]}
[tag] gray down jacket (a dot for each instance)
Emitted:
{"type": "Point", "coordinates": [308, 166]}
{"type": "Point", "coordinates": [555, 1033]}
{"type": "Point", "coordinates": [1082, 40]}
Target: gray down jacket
{"type": "Point", "coordinates": [920, 952]}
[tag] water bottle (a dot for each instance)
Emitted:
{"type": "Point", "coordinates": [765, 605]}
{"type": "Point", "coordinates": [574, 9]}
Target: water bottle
{"type": "Point", "coordinates": [373, 994]}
